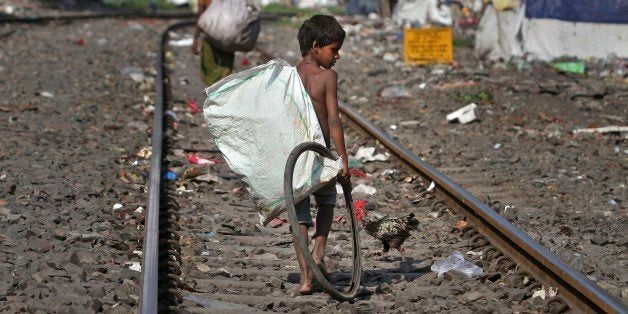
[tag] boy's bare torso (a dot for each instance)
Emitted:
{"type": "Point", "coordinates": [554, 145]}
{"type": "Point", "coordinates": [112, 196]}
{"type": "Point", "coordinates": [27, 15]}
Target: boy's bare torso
{"type": "Point", "coordinates": [313, 80]}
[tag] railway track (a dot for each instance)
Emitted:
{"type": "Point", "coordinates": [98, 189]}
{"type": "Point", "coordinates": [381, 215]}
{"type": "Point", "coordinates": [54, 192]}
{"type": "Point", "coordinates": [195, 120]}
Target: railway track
{"type": "Point", "coordinates": [226, 262]}
{"type": "Point", "coordinates": [213, 257]}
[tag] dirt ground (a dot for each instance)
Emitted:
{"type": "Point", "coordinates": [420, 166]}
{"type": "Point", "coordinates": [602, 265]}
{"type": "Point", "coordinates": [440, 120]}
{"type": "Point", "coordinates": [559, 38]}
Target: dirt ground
{"type": "Point", "coordinates": [75, 114]}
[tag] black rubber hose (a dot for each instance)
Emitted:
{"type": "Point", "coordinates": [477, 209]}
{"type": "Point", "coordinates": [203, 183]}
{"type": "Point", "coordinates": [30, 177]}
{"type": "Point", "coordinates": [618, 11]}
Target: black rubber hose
{"type": "Point", "coordinates": [302, 245]}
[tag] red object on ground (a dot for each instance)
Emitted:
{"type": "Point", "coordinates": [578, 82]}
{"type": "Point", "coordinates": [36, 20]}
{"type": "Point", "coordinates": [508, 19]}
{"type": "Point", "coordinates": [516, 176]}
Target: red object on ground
{"type": "Point", "coordinates": [339, 218]}
{"type": "Point", "coordinates": [195, 159]}
{"type": "Point", "coordinates": [80, 41]}
{"type": "Point", "coordinates": [276, 222]}
{"type": "Point", "coordinates": [193, 106]}
{"type": "Point", "coordinates": [355, 172]}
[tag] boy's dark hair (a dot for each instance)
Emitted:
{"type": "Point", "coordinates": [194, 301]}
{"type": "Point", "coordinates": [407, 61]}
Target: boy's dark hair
{"type": "Point", "coordinates": [322, 29]}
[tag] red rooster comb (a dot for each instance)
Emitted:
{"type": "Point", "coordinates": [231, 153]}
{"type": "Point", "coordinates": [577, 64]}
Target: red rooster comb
{"type": "Point", "coordinates": [358, 206]}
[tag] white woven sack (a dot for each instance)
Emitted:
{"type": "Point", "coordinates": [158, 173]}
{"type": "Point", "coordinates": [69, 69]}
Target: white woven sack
{"type": "Point", "coordinates": [231, 25]}
{"type": "Point", "coordinates": [257, 118]}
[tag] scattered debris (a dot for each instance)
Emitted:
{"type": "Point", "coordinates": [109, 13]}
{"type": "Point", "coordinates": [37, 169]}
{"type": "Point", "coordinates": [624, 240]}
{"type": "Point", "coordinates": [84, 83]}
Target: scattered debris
{"type": "Point", "coordinates": [544, 292]}
{"type": "Point", "coordinates": [394, 91]}
{"type": "Point", "coordinates": [456, 262]}
{"type": "Point", "coordinates": [47, 94]}
{"type": "Point", "coordinates": [364, 189]}
{"type": "Point", "coordinates": [135, 266]}
{"type": "Point", "coordinates": [170, 176]}
{"type": "Point", "coordinates": [276, 222]}
{"type": "Point", "coordinates": [185, 42]}
{"type": "Point", "coordinates": [431, 187]}
{"type": "Point", "coordinates": [463, 115]}
{"type": "Point", "coordinates": [577, 67]}
{"type": "Point", "coordinates": [366, 154]}
{"type": "Point", "coordinates": [606, 129]}
{"type": "Point", "coordinates": [209, 178]}
{"type": "Point", "coordinates": [193, 106]}
{"type": "Point", "coordinates": [195, 159]}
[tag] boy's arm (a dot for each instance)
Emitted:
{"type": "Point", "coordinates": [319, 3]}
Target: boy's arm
{"type": "Point", "coordinates": [335, 125]}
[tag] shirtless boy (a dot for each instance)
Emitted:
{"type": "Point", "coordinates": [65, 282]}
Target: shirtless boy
{"type": "Point", "coordinates": [320, 39]}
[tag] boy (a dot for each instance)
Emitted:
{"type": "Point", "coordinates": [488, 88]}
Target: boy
{"type": "Point", "coordinates": [320, 39]}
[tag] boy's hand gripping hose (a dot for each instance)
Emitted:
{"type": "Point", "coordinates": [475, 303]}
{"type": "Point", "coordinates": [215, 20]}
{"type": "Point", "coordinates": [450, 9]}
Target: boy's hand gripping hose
{"type": "Point", "coordinates": [302, 245]}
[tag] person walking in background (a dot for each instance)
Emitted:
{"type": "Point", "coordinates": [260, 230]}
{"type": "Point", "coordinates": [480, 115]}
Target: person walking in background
{"type": "Point", "coordinates": [215, 63]}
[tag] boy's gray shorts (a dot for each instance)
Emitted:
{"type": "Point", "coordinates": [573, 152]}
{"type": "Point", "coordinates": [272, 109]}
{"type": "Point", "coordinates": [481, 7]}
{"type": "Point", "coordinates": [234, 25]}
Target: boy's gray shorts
{"type": "Point", "coordinates": [324, 196]}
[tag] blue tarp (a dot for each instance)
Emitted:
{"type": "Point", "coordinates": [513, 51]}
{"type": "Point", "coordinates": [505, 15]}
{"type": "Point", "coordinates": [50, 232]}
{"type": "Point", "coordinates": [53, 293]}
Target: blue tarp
{"type": "Point", "coordinates": [592, 11]}
{"type": "Point", "coordinates": [361, 7]}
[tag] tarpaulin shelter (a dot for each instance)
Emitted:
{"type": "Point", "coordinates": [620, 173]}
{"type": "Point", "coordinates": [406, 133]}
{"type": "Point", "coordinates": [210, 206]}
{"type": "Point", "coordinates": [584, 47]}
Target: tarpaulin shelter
{"type": "Point", "coordinates": [422, 12]}
{"type": "Point", "coordinates": [550, 29]}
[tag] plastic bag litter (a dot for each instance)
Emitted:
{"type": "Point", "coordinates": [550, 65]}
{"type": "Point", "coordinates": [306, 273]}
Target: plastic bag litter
{"type": "Point", "coordinates": [364, 189]}
{"type": "Point", "coordinates": [463, 115]}
{"type": "Point", "coordinates": [366, 154]}
{"type": "Point", "coordinates": [257, 118]}
{"type": "Point", "coordinates": [456, 262]}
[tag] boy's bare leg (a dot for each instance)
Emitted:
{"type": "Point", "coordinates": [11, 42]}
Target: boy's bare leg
{"type": "Point", "coordinates": [324, 218]}
{"type": "Point", "coordinates": [305, 281]}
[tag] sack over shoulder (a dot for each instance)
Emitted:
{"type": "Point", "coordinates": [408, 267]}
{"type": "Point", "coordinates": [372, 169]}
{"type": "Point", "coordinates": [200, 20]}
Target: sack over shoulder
{"type": "Point", "coordinates": [231, 25]}
{"type": "Point", "coordinates": [257, 117]}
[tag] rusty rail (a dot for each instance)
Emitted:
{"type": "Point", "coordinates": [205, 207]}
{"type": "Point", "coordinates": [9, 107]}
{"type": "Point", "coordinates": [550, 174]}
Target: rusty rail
{"type": "Point", "coordinates": [579, 292]}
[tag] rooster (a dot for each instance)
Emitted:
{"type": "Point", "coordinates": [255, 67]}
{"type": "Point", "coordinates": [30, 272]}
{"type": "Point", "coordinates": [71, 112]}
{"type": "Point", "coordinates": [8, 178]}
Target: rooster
{"type": "Point", "coordinates": [391, 231]}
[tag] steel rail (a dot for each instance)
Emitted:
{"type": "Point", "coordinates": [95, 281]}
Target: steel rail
{"type": "Point", "coordinates": [149, 302]}
{"type": "Point", "coordinates": [121, 15]}
{"type": "Point", "coordinates": [149, 284]}
{"type": "Point", "coordinates": [100, 15]}
{"type": "Point", "coordinates": [578, 291]}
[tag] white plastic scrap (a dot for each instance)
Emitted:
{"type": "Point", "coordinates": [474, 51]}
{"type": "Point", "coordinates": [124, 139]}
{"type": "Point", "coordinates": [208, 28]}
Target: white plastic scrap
{"type": "Point", "coordinates": [456, 262]}
{"type": "Point", "coordinates": [117, 206]}
{"type": "Point", "coordinates": [389, 57]}
{"type": "Point", "coordinates": [395, 91]}
{"type": "Point", "coordinates": [366, 154]}
{"type": "Point", "coordinates": [497, 146]}
{"type": "Point", "coordinates": [47, 94]}
{"type": "Point", "coordinates": [136, 266]}
{"type": "Point", "coordinates": [544, 293]}
{"type": "Point", "coordinates": [139, 210]}
{"type": "Point", "coordinates": [463, 115]}
{"type": "Point", "coordinates": [606, 129]}
{"type": "Point", "coordinates": [364, 189]}
{"type": "Point", "coordinates": [185, 42]}
{"type": "Point", "coordinates": [431, 187]}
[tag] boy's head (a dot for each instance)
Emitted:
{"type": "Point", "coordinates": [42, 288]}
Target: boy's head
{"type": "Point", "coordinates": [319, 30]}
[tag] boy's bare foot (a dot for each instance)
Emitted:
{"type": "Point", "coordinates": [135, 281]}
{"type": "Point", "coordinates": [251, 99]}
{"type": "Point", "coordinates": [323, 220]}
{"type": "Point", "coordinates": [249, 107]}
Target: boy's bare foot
{"type": "Point", "coordinates": [305, 288]}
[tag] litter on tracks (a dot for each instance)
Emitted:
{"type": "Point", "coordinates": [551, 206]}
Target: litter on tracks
{"type": "Point", "coordinates": [456, 262]}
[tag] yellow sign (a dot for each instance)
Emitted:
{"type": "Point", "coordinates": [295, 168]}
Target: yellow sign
{"type": "Point", "coordinates": [427, 45]}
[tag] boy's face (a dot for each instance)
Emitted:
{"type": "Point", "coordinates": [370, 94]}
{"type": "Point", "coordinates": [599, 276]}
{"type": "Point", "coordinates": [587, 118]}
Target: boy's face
{"type": "Point", "coordinates": [327, 55]}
